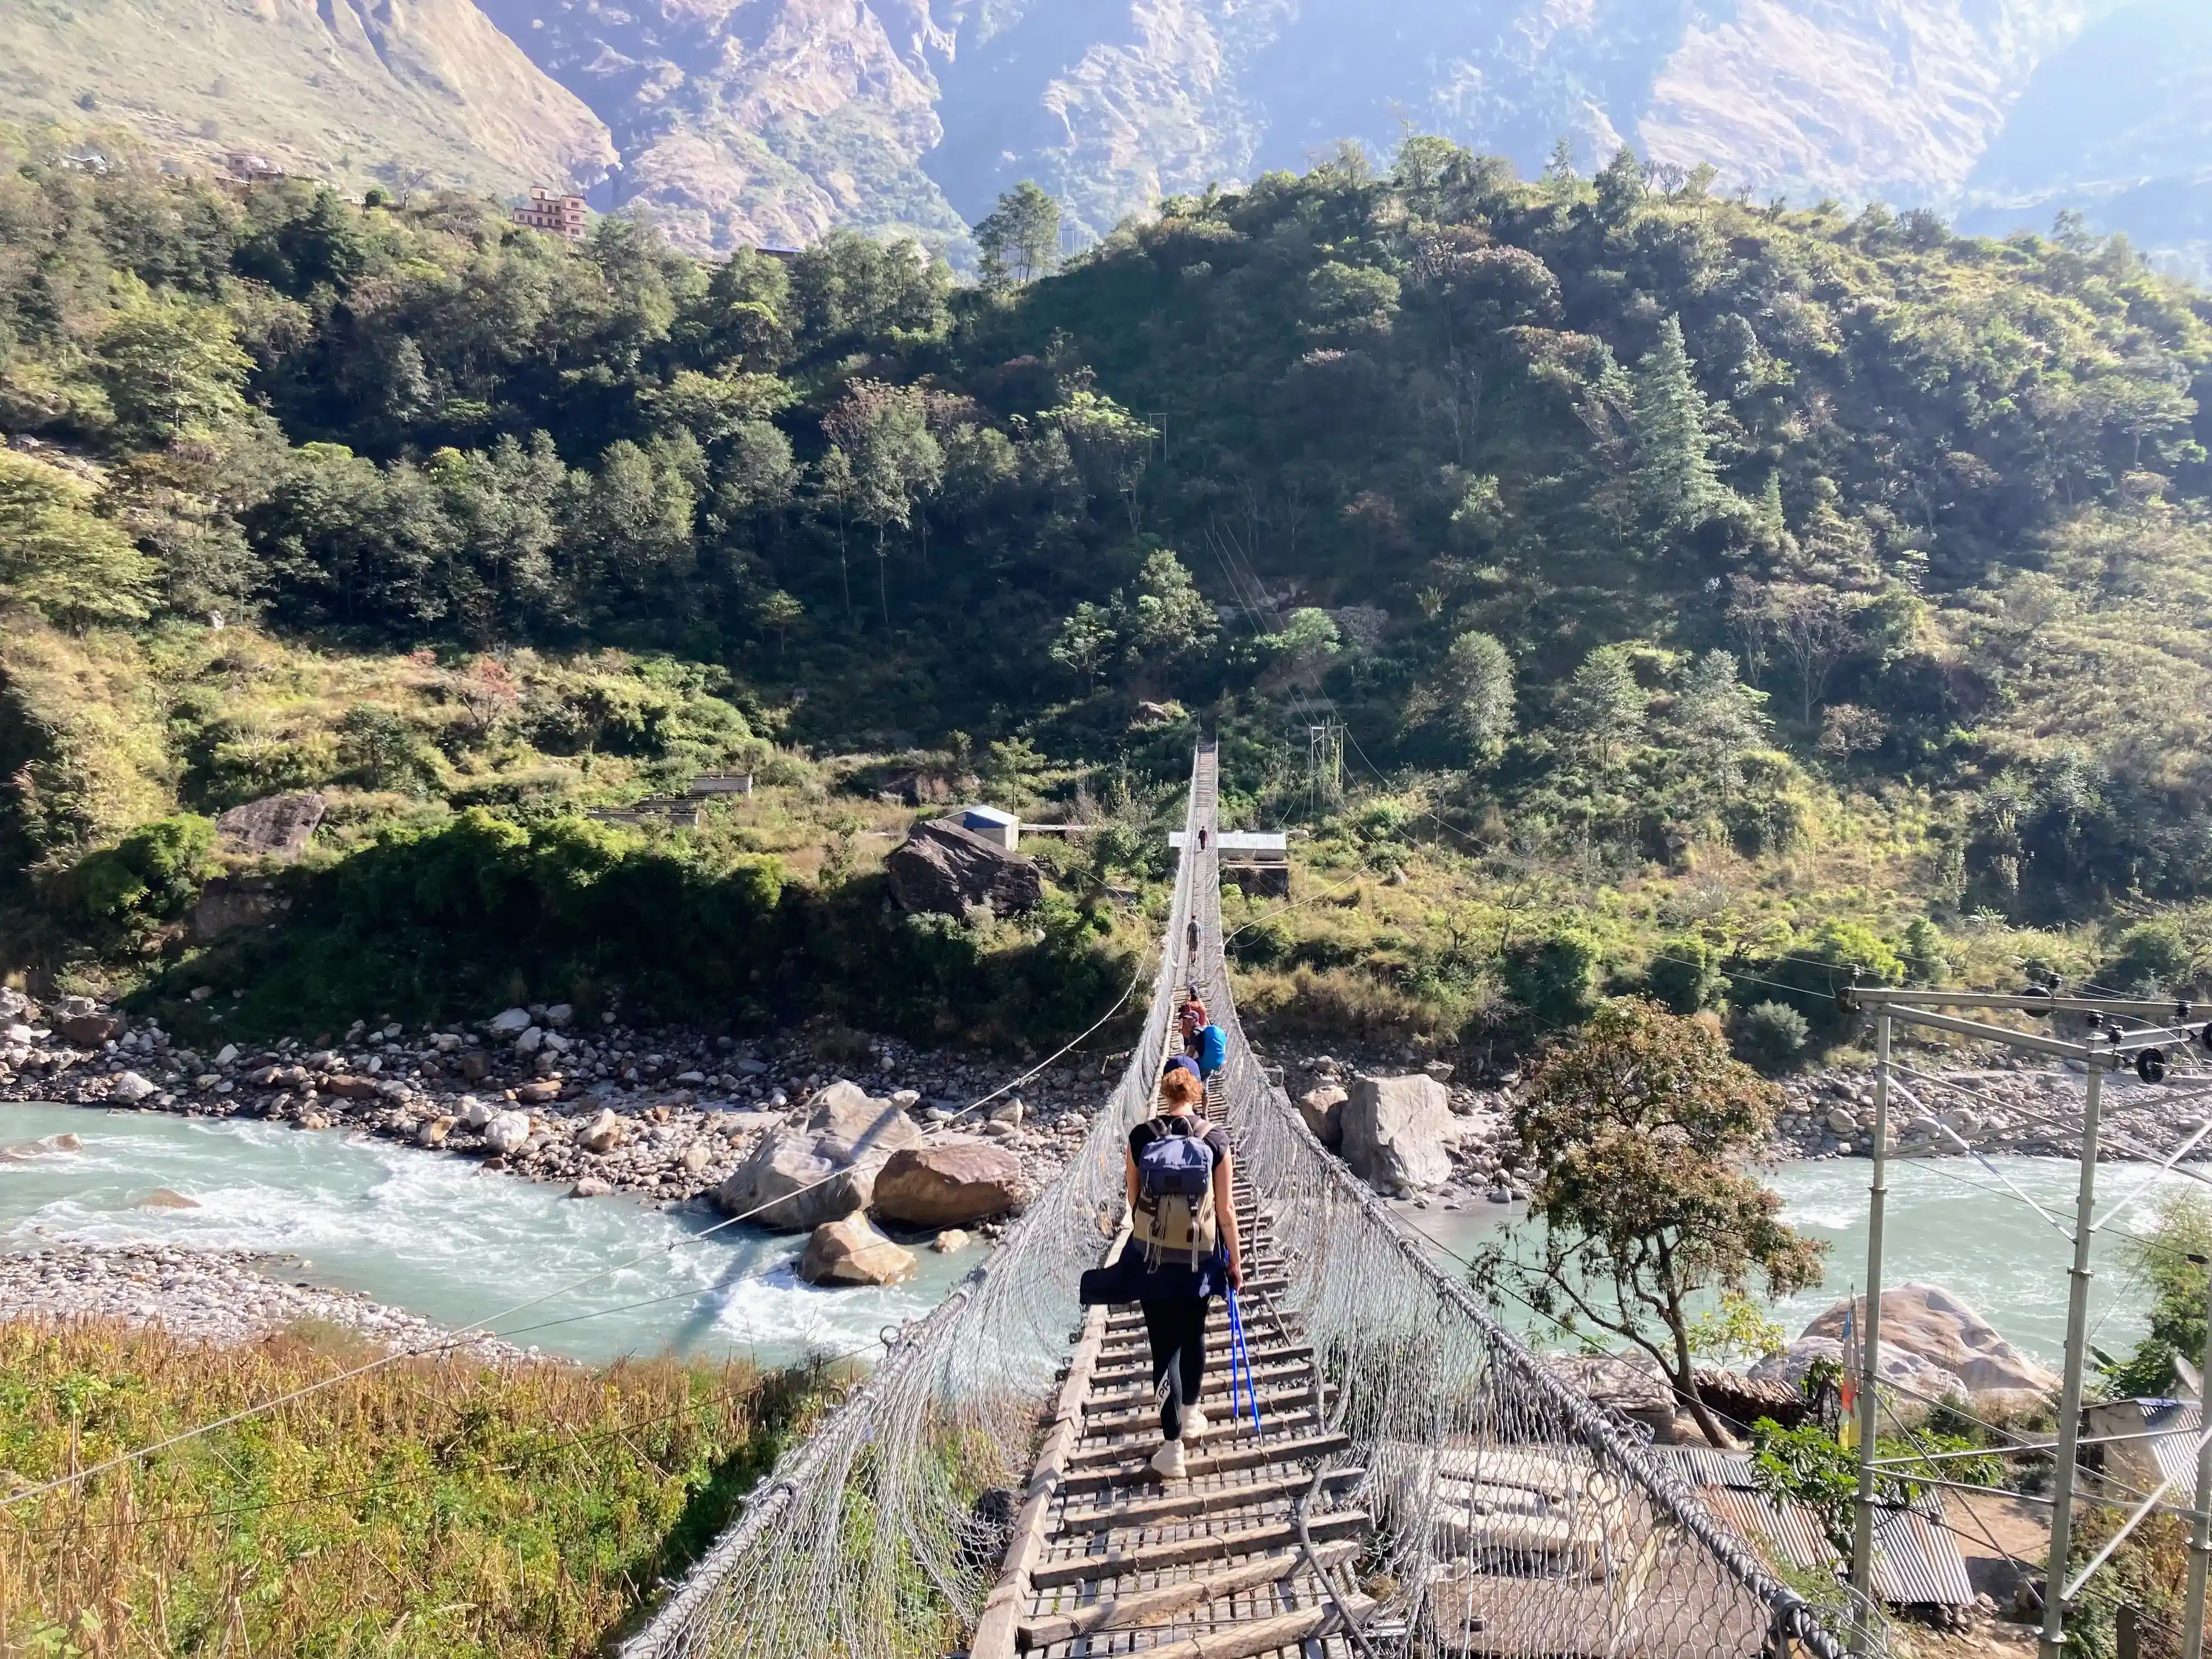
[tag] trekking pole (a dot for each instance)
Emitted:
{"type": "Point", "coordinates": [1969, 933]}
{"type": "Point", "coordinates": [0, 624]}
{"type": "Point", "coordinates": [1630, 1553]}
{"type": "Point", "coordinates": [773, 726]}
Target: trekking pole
{"type": "Point", "coordinates": [1239, 1356]}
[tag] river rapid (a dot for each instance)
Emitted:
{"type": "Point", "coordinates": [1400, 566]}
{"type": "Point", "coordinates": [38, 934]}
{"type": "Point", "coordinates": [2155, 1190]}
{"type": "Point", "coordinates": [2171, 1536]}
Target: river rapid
{"type": "Point", "coordinates": [442, 1237]}
{"type": "Point", "coordinates": [439, 1236]}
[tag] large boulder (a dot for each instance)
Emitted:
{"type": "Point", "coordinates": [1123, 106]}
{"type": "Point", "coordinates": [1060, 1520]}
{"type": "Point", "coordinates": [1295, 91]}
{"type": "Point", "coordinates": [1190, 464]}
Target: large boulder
{"type": "Point", "coordinates": [1929, 1324]}
{"type": "Point", "coordinates": [799, 1178]}
{"type": "Point", "coordinates": [1395, 1132]}
{"type": "Point", "coordinates": [952, 1184]}
{"type": "Point", "coordinates": [850, 1252]}
{"type": "Point", "coordinates": [89, 1031]}
{"type": "Point", "coordinates": [277, 824]}
{"type": "Point", "coordinates": [942, 867]}
{"type": "Point", "coordinates": [1322, 1108]}
{"type": "Point", "coordinates": [1920, 1380]}
{"type": "Point", "coordinates": [857, 1124]}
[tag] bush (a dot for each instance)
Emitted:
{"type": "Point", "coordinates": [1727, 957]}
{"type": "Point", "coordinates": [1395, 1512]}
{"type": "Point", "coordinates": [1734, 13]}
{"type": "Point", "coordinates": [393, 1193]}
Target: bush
{"type": "Point", "coordinates": [1553, 978]}
{"type": "Point", "coordinates": [1771, 1036]}
{"type": "Point", "coordinates": [1685, 974]}
{"type": "Point", "coordinates": [152, 875]}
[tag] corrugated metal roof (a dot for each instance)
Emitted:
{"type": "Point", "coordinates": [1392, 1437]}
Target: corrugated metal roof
{"type": "Point", "coordinates": [993, 817]}
{"type": "Point", "coordinates": [2176, 1422]}
{"type": "Point", "coordinates": [1916, 1560]}
{"type": "Point", "coordinates": [1790, 1531]}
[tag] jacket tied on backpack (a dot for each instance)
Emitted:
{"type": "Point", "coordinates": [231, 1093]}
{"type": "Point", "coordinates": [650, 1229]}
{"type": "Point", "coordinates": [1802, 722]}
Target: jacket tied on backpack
{"type": "Point", "coordinates": [1174, 1213]}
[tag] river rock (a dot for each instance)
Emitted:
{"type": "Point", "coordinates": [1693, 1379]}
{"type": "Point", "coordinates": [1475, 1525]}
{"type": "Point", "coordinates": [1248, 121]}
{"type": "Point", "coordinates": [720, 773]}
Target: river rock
{"type": "Point", "coordinates": [129, 1088]}
{"type": "Point", "coordinates": [794, 1182]}
{"type": "Point", "coordinates": [541, 1093]}
{"type": "Point", "coordinates": [858, 1125]}
{"type": "Point", "coordinates": [511, 1023]}
{"type": "Point", "coordinates": [1920, 1379]}
{"type": "Point", "coordinates": [851, 1252]}
{"type": "Point", "coordinates": [475, 1112]}
{"type": "Point", "coordinates": [505, 1133]}
{"type": "Point", "coordinates": [86, 1030]}
{"type": "Point", "coordinates": [1932, 1324]}
{"type": "Point", "coordinates": [165, 1198]}
{"type": "Point", "coordinates": [276, 824]}
{"type": "Point", "coordinates": [603, 1133]}
{"type": "Point", "coordinates": [1395, 1129]}
{"type": "Point", "coordinates": [1322, 1108]}
{"type": "Point", "coordinates": [942, 868]}
{"type": "Point", "coordinates": [590, 1187]}
{"type": "Point", "coordinates": [229, 903]}
{"type": "Point", "coordinates": [347, 1086]}
{"type": "Point", "coordinates": [434, 1131]}
{"type": "Point", "coordinates": [951, 1239]}
{"type": "Point", "coordinates": [951, 1184]}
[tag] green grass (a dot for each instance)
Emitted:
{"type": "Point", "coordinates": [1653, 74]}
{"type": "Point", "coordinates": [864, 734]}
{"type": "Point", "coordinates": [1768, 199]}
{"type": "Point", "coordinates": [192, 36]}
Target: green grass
{"type": "Point", "coordinates": [433, 1507]}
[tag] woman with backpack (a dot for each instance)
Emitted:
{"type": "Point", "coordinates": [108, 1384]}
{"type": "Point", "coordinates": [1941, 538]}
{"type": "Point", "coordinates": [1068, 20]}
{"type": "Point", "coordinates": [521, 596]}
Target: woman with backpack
{"type": "Point", "coordinates": [1183, 1252]}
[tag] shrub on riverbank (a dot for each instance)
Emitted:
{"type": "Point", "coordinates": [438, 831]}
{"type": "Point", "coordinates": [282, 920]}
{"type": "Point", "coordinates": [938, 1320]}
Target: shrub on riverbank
{"type": "Point", "coordinates": [441, 1507]}
{"type": "Point", "coordinates": [479, 911]}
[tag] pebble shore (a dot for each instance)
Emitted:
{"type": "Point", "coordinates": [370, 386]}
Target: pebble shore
{"type": "Point", "coordinates": [212, 1295]}
{"type": "Point", "coordinates": [665, 1113]}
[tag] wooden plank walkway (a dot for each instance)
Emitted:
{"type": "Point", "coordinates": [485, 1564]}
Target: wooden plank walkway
{"type": "Point", "coordinates": [1110, 1558]}
{"type": "Point", "coordinates": [1250, 1552]}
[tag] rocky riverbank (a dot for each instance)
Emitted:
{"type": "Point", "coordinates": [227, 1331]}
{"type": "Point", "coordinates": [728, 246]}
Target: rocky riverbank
{"type": "Point", "coordinates": [667, 1113]}
{"type": "Point", "coordinates": [2033, 1111]}
{"type": "Point", "coordinates": [214, 1295]}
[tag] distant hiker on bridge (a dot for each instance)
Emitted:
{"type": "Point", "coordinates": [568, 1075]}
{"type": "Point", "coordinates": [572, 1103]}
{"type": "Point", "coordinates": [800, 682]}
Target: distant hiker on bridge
{"type": "Point", "coordinates": [1201, 838]}
{"type": "Point", "coordinates": [1183, 1251]}
{"type": "Point", "coordinates": [1190, 1020]}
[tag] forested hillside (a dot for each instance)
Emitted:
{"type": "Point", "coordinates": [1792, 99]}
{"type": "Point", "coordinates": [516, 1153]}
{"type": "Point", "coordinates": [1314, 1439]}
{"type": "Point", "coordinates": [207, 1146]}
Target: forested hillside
{"type": "Point", "coordinates": [1708, 589]}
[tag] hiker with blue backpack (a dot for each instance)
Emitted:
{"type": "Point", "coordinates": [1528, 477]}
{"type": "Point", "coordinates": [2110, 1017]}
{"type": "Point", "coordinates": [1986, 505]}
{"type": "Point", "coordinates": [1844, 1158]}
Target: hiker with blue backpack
{"type": "Point", "coordinates": [1183, 1252]}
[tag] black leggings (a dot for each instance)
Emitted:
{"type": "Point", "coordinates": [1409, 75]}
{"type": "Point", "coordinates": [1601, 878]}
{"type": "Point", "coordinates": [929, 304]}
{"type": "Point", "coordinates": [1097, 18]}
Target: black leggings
{"type": "Point", "coordinates": [1177, 1330]}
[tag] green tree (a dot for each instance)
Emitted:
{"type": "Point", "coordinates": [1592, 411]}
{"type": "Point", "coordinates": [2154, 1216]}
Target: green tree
{"type": "Point", "coordinates": [1677, 486]}
{"type": "Point", "coordinates": [1085, 642]}
{"type": "Point", "coordinates": [2181, 1228]}
{"type": "Point", "coordinates": [58, 556]}
{"type": "Point", "coordinates": [1166, 619]}
{"type": "Point", "coordinates": [1476, 684]}
{"type": "Point", "coordinates": [1641, 1129]}
{"type": "Point", "coordinates": [1620, 186]}
{"type": "Point", "coordinates": [170, 367]}
{"type": "Point", "coordinates": [781, 611]}
{"type": "Point", "coordinates": [1020, 240]}
{"type": "Point", "coordinates": [1111, 446]}
{"type": "Point", "coordinates": [153, 874]}
{"type": "Point", "coordinates": [1717, 721]}
{"type": "Point", "coordinates": [1601, 710]}
{"type": "Point", "coordinates": [896, 462]}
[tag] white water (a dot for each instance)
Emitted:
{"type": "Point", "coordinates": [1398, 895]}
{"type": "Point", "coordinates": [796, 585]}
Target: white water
{"type": "Point", "coordinates": [437, 1235]}
{"type": "Point", "coordinates": [1948, 1222]}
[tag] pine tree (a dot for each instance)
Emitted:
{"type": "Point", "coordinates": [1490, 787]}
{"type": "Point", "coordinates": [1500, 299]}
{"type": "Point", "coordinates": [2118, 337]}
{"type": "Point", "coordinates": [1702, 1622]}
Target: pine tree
{"type": "Point", "coordinates": [1477, 682]}
{"type": "Point", "coordinates": [1602, 709]}
{"type": "Point", "coordinates": [1771, 527]}
{"type": "Point", "coordinates": [1677, 486]}
{"type": "Point", "coordinates": [1020, 240]}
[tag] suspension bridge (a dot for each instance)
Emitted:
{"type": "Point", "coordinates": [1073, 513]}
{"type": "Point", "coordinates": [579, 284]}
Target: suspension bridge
{"type": "Point", "coordinates": [1418, 1483]}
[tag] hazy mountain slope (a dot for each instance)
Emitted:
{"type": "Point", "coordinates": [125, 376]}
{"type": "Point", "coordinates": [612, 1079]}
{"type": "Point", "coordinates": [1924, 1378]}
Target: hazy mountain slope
{"type": "Point", "coordinates": [753, 121]}
{"type": "Point", "coordinates": [1895, 99]}
{"type": "Point", "coordinates": [401, 90]}
{"type": "Point", "coordinates": [2118, 126]}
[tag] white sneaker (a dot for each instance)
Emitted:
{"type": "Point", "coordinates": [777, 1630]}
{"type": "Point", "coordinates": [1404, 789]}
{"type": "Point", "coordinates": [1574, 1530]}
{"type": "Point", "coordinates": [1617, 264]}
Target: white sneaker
{"type": "Point", "coordinates": [1167, 1461]}
{"type": "Point", "coordinates": [1195, 1426]}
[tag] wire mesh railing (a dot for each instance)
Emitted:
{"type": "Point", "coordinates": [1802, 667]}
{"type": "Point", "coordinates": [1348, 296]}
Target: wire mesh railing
{"type": "Point", "coordinates": [1514, 1517]}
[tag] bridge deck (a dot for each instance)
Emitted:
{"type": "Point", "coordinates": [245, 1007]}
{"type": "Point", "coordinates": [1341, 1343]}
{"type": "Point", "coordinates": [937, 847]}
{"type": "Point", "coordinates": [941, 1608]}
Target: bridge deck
{"type": "Point", "coordinates": [1110, 1558]}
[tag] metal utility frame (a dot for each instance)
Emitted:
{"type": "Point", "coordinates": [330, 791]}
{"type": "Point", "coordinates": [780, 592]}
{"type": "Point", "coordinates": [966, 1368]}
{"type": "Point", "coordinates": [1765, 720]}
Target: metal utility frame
{"type": "Point", "coordinates": [2111, 1043]}
{"type": "Point", "coordinates": [1325, 765]}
